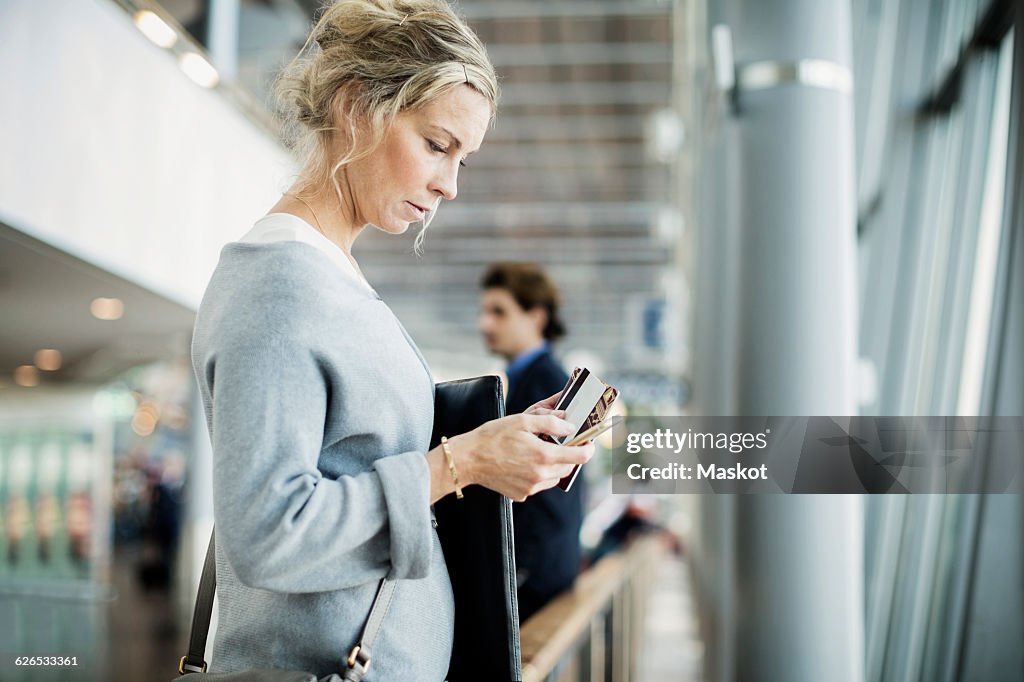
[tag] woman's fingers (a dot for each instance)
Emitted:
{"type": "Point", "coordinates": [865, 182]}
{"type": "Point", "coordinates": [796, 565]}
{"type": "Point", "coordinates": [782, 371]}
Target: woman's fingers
{"type": "Point", "coordinates": [547, 423]}
{"type": "Point", "coordinates": [556, 476]}
{"type": "Point", "coordinates": [550, 400]}
{"type": "Point", "coordinates": [568, 454]}
{"type": "Point", "coordinates": [513, 461]}
{"type": "Point", "coordinates": [546, 404]}
{"type": "Point", "coordinates": [543, 410]}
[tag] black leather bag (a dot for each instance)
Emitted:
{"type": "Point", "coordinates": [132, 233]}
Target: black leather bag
{"type": "Point", "coordinates": [476, 537]}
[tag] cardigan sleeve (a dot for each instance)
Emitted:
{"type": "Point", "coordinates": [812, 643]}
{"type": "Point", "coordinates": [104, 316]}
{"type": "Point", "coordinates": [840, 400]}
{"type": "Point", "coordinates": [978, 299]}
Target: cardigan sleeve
{"type": "Point", "coordinates": [282, 525]}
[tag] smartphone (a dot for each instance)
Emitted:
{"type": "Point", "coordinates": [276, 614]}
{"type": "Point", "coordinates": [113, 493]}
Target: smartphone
{"type": "Point", "coordinates": [583, 437]}
{"type": "Point", "coordinates": [596, 430]}
{"type": "Point", "coordinates": [586, 401]}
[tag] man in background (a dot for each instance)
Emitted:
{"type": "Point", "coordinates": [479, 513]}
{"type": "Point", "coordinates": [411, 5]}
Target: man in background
{"type": "Point", "coordinates": [519, 320]}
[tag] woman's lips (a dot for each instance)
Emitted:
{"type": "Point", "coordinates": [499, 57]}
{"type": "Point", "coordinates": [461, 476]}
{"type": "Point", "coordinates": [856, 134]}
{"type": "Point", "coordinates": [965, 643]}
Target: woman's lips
{"type": "Point", "coordinates": [420, 211]}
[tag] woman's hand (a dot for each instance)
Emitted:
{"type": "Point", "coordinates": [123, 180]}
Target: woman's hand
{"type": "Point", "coordinates": [508, 456]}
{"type": "Point", "coordinates": [546, 406]}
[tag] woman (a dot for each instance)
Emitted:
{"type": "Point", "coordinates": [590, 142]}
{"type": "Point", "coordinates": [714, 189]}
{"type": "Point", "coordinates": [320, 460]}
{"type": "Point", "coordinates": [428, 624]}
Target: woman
{"type": "Point", "coordinates": [319, 404]}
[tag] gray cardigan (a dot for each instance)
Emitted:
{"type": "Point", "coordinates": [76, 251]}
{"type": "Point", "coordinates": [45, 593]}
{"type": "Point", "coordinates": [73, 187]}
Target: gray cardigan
{"type": "Point", "coordinates": [320, 408]}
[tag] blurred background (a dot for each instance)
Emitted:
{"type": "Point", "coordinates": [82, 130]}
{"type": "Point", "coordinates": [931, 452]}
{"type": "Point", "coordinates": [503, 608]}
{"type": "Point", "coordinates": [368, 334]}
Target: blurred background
{"type": "Point", "coordinates": [793, 207]}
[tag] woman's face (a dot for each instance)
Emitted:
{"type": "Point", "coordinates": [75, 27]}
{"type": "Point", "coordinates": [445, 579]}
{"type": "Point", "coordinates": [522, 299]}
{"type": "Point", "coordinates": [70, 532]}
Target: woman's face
{"type": "Point", "coordinates": [417, 163]}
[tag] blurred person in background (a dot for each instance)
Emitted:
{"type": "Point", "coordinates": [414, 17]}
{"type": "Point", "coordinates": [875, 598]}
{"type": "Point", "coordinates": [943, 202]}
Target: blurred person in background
{"type": "Point", "coordinates": [319, 404]}
{"type": "Point", "coordinates": [638, 517]}
{"type": "Point", "coordinates": [162, 527]}
{"type": "Point", "coordinates": [519, 320]}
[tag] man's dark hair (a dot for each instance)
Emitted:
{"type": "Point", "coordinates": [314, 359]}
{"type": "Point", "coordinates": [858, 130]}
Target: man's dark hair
{"type": "Point", "coordinates": [531, 288]}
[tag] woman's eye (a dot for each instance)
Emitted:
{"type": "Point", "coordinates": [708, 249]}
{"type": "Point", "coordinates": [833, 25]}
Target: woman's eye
{"type": "Point", "coordinates": [435, 147]}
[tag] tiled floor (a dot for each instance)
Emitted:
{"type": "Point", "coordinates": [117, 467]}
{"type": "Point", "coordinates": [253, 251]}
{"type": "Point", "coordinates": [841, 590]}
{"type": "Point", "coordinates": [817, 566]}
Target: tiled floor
{"type": "Point", "coordinates": [118, 633]}
{"type": "Point", "coordinates": [673, 650]}
{"type": "Point", "coordinates": [145, 638]}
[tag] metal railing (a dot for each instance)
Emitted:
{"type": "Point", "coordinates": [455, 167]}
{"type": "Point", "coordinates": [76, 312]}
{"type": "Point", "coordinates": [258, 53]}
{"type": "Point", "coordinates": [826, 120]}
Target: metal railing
{"type": "Point", "coordinates": [594, 632]}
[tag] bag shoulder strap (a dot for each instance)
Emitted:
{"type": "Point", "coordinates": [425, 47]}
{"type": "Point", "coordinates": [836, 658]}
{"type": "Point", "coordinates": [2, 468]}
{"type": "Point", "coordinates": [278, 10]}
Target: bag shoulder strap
{"type": "Point", "coordinates": [357, 663]}
{"type": "Point", "coordinates": [193, 661]}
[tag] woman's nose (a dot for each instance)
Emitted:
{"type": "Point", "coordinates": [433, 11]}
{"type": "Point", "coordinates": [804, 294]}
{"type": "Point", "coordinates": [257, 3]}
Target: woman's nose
{"type": "Point", "coordinates": [447, 182]}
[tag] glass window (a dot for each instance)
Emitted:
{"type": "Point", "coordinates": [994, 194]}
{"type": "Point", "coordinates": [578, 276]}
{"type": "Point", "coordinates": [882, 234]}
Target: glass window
{"type": "Point", "coordinates": [990, 223]}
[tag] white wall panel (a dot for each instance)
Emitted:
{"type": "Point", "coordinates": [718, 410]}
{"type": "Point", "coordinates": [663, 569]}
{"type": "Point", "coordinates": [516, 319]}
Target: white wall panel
{"type": "Point", "coordinates": [111, 153]}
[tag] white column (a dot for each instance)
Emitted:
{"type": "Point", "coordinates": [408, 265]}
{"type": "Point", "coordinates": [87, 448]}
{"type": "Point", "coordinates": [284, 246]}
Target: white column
{"type": "Point", "coordinates": [796, 561]}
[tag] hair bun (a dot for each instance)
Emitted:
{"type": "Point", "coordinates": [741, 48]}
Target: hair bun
{"type": "Point", "coordinates": [327, 36]}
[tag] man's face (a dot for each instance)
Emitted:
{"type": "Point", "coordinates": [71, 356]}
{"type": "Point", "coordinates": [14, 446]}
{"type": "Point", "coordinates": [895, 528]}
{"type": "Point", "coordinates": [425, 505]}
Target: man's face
{"type": "Point", "coordinates": [507, 328]}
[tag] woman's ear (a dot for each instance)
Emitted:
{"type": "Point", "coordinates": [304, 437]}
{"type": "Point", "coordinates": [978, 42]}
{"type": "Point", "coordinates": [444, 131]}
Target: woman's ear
{"type": "Point", "coordinates": [344, 118]}
{"type": "Point", "coordinates": [352, 131]}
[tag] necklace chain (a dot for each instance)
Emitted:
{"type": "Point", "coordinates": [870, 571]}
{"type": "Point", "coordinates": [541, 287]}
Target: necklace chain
{"type": "Point", "coordinates": [320, 228]}
{"type": "Point", "coordinates": [312, 212]}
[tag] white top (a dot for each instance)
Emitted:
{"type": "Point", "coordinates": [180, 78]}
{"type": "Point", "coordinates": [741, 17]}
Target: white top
{"type": "Point", "coordinates": [285, 227]}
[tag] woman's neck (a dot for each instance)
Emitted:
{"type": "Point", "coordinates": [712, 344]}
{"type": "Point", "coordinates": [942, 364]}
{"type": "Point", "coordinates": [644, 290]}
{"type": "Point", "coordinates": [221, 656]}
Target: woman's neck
{"type": "Point", "coordinates": [324, 212]}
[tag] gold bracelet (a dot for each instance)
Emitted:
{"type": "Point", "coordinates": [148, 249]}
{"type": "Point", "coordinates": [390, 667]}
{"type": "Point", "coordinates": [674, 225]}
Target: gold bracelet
{"type": "Point", "coordinates": [451, 466]}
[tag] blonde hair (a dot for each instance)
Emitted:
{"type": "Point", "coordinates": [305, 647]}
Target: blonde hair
{"type": "Point", "coordinates": [365, 62]}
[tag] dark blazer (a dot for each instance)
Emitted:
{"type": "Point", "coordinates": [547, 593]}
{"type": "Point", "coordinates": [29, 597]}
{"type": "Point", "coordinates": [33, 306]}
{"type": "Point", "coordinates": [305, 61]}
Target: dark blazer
{"type": "Point", "coordinates": [546, 525]}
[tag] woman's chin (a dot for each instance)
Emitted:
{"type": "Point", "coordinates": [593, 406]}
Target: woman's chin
{"type": "Point", "coordinates": [394, 227]}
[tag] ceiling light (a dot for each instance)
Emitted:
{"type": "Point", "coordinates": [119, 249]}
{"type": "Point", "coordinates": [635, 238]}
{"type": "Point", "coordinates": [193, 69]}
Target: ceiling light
{"type": "Point", "coordinates": [155, 28]}
{"type": "Point", "coordinates": [48, 359]}
{"type": "Point", "coordinates": [107, 308]}
{"type": "Point", "coordinates": [150, 409]}
{"type": "Point", "coordinates": [144, 423]}
{"type": "Point", "coordinates": [199, 70]}
{"type": "Point", "coordinates": [27, 376]}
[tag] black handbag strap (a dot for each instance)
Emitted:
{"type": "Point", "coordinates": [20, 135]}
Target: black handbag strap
{"type": "Point", "coordinates": [357, 663]}
{"type": "Point", "coordinates": [194, 661]}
